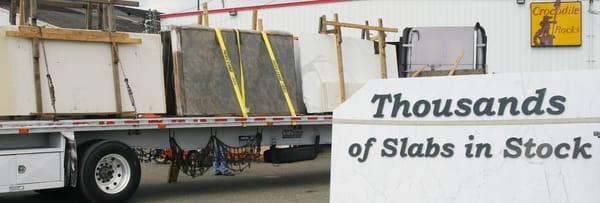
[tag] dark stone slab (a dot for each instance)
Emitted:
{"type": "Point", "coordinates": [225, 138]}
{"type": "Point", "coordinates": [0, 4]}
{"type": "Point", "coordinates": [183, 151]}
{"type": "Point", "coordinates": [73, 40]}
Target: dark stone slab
{"type": "Point", "coordinates": [202, 84]}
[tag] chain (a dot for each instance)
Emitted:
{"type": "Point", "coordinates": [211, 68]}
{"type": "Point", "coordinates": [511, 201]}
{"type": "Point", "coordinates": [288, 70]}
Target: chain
{"type": "Point", "coordinates": [125, 78]}
{"type": "Point", "coordinates": [48, 76]}
{"type": "Point", "coordinates": [198, 162]}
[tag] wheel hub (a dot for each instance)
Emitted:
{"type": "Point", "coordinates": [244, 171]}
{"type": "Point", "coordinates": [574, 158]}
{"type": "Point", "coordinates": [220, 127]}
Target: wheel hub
{"type": "Point", "coordinates": [112, 173]}
{"type": "Point", "coordinates": [105, 173]}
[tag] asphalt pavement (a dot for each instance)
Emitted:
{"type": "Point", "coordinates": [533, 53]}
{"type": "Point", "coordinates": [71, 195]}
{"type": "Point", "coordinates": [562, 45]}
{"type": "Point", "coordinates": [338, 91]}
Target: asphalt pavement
{"type": "Point", "coordinates": [306, 181]}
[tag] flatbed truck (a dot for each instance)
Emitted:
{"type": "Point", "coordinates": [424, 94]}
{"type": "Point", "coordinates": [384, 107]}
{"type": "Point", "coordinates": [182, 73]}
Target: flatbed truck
{"type": "Point", "coordinates": [96, 158]}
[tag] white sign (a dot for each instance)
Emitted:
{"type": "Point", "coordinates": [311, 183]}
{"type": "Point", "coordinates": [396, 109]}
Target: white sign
{"type": "Point", "coordinates": [531, 137]}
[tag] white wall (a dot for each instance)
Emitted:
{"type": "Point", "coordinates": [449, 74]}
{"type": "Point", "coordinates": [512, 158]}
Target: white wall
{"type": "Point", "coordinates": [507, 25]}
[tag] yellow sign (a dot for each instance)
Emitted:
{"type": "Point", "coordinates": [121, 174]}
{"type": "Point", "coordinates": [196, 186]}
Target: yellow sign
{"type": "Point", "coordinates": [555, 24]}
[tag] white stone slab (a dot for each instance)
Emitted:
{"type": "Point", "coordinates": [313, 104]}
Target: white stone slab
{"type": "Point", "coordinates": [320, 84]}
{"type": "Point", "coordinates": [82, 76]}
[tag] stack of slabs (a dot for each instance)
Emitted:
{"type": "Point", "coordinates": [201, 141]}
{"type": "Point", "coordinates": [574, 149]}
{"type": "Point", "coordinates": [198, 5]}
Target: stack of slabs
{"type": "Point", "coordinates": [82, 75]}
{"type": "Point", "coordinates": [320, 79]}
{"type": "Point", "coordinates": [198, 79]}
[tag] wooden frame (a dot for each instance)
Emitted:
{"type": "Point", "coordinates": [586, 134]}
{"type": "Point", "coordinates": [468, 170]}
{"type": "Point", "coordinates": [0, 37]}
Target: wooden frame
{"type": "Point", "coordinates": [106, 22]}
{"type": "Point", "coordinates": [73, 35]}
{"type": "Point", "coordinates": [366, 28]}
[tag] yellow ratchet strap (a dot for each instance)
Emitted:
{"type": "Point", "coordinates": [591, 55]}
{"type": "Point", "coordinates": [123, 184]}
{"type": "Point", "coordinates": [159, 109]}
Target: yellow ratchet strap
{"type": "Point", "coordinates": [239, 49]}
{"type": "Point", "coordinates": [234, 82]}
{"type": "Point", "coordinates": [279, 75]}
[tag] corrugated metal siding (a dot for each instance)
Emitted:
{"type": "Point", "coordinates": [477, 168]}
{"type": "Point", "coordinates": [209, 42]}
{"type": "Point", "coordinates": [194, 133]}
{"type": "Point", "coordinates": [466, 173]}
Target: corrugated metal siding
{"type": "Point", "coordinates": [507, 25]}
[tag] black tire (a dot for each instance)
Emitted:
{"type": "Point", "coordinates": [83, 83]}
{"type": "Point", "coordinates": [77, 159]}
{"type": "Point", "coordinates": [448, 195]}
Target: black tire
{"type": "Point", "coordinates": [88, 160]}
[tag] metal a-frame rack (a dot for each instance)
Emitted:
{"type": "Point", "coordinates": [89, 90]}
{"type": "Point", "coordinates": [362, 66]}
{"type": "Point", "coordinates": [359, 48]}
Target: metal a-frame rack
{"type": "Point", "coordinates": [337, 31]}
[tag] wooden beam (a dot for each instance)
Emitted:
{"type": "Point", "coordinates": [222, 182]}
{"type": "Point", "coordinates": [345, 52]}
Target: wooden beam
{"type": "Point", "coordinates": [112, 27]}
{"type": "Point", "coordinates": [365, 34]}
{"type": "Point", "coordinates": [174, 167]}
{"type": "Point", "coordinates": [382, 57]}
{"type": "Point", "coordinates": [100, 17]}
{"type": "Point", "coordinates": [14, 5]}
{"type": "Point", "coordinates": [128, 113]}
{"type": "Point", "coordinates": [73, 35]}
{"type": "Point", "coordinates": [27, 13]}
{"type": "Point", "coordinates": [322, 26]}
{"type": "Point", "coordinates": [36, 60]}
{"type": "Point", "coordinates": [33, 10]}
{"type": "Point", "coordinates": [22, 15]}
{"type": "Point", "coordinates": [260, 25]}
{"type": "Point", "coordinates": [359, 26]}
{"type": "Point", "coordinates": [37, 76]}
{"type": "Point", "coordinates": [104, 17]}
{"type": "Point", "coordinates": [116, 79]}
{"type": "Point", "coordinates": [254, 19]}
{"type": "Point", "coordinates": [62, 3]}
{"type": "Point", "coordinates": [115, 2]}
{"type": "Point", "coordinates": [429, 73]}
{"type": "Point", "coordinates": [340, 61]}
{"type": "Point", "coordinates": [418, 72]}
{"type": "Point", "coordinates": [456, 63]}
{"type": "Point", "coordinates": [205, 14]}
{"type": "Point", "coordinates": [200, 19]}
{"type": "Point", "coordinates": [110, 17]}
{"type": "Point", "coordinates": [88, 16]}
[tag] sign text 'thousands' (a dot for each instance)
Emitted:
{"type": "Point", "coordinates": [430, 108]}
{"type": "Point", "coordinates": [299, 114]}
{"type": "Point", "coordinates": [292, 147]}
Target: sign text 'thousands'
{"type": "Point", "coordinates": [537, 104]}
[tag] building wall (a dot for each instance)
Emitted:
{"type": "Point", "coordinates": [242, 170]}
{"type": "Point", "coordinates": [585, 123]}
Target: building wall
{"type": "Point", "coordinates": [507, 25]}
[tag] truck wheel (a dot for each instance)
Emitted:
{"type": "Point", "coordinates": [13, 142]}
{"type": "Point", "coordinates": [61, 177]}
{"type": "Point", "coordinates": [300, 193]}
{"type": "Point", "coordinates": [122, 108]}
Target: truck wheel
{"type": "Point", "coordinates": [109, 171]}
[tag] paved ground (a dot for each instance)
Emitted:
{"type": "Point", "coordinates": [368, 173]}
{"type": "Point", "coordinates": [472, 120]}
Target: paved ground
{"type": "Point", "coordinates": [298, 182]}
